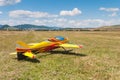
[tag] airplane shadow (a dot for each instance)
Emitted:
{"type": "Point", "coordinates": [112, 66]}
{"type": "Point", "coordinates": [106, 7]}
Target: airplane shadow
{"type": "Point", "coordinates": [30, 60]}
{"type": "Point", "coordinates": [68, 53]}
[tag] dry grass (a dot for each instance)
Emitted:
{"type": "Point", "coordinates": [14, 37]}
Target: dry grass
{"type": "Point", "coordinates": [98, 60]}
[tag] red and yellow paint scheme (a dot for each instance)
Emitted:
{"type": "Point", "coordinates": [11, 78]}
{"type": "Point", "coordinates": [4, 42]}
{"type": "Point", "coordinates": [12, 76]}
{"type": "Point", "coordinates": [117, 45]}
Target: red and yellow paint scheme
{"type": "Point", "coordinates": [29, 50]}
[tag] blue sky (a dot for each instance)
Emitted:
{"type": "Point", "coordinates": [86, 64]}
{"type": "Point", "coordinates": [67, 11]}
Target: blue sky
{"type": "Point", "coordinates": [61, 13]}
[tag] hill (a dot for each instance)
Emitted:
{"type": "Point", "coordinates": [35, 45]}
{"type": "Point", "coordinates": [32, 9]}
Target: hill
{"type": "Point", "coordinates": [45, 28]}
{"type": "Point", "coordinates": [109, 28]}
{"type": "Point", "coordinates": [28, 27]}
{"type": "Point", "coordinates": [0, 26]}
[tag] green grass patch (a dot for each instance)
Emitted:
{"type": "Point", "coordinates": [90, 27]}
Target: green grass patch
{"type": "Point", "coordinates": [98, 60]}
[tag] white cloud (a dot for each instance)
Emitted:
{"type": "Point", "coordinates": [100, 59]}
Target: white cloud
{"type": "Point", "coordinates": [113, 14]}
{"type": "Point", "coordinates": [62, 22]}
{"type": "Point", "coordinates": [8, 2]}
{"type": "Point", "coordinates": [29, 14]}
{"type": "Point", "coordinates": [74, 12]}
{"type": "Point", "coordinates": [109, 9]}
{"type": "Point", "coordinates": [13, 22]}
{"type": "Point", "coordinates": [113, 10]}
{"type": "Point", "coordinates": [43, 18]}
{"type": "Point", "coordinates": [0, 12]}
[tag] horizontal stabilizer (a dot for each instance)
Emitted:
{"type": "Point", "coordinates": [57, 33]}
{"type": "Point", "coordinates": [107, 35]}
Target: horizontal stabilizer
{"type": "Point", "coordinates": [29, 54]}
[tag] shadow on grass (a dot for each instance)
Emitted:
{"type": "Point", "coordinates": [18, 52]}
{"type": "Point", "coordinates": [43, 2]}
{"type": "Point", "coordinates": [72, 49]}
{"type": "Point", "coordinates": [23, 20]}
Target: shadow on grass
{"type": "Point", "coordinates": [29, 60]}
{"type": "Point", "coordinates": [68, 53]}
{"type": "Point", "coordinates": [32, 60]}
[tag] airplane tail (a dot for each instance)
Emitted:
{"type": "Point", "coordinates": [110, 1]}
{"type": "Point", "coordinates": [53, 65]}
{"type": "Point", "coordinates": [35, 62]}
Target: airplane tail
{"type": "Point", "coordinates": [23, 53]}
{"type": "Point", "coordinates": [28, 54]}
{"type": "Point", "coordinates": [23, 44]}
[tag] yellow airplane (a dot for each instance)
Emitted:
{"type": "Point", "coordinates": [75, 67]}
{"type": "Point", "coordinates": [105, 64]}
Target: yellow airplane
{"type": "Point", "coordinates": [29, 50]}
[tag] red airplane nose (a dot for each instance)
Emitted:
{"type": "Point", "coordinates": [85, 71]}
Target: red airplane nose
{"type": "Point", "coordinates": [80, 46]}
{"type": "Point", "coordinates": [33, 57]}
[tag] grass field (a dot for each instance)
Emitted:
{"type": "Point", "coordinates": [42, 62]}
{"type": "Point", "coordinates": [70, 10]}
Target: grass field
{"type": "Point", "coordinates": [98, 60]}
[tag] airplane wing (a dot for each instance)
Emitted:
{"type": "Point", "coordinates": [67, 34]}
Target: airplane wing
{"type": "Point", "coordinates": [31, 44]}
{"type": "Point", "coordinates": [71, 45]}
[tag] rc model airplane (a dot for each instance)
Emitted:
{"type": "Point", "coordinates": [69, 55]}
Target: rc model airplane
{"type": "Point", "coordinates": [29, 50]}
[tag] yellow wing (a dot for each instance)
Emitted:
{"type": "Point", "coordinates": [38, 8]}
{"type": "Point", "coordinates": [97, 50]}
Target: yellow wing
{"type": "Point", "coordinates": [71, 45]}
{"type": "Point", "coordinates": [34, 45]}
{"type": "Point", "coordinates": [31, 44]}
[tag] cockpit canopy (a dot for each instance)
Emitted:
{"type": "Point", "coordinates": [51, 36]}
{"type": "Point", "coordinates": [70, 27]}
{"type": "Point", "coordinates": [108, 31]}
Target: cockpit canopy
{"type": "Point", "coordinates": [57, 39]}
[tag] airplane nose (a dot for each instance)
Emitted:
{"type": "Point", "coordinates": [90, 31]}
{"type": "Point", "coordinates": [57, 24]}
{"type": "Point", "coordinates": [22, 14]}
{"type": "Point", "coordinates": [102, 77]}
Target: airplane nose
{"type": "Point", "coordinates": [80, 46]}
{"type": "Point", "coordinates": [33, 57]}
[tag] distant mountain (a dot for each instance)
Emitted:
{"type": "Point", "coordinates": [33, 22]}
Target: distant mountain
{"type": "Point", "coordinates": [28, 27]}
{"type": "Point", "coordinates": [5, 26]}
{"type": "Point", "coordinates": [42, 27]}
{"type": "Point", "coordinates": [109, 28]}
{"type": "Point", "coordinates": [0, 26]}
{"type": "Point", "coordinates": [112, 26]}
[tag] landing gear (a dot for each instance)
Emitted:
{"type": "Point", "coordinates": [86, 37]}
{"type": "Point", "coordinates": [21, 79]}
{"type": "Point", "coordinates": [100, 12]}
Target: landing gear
{"type": "Point", "coordinates": [66, 50]}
